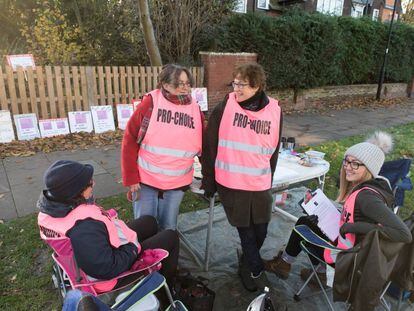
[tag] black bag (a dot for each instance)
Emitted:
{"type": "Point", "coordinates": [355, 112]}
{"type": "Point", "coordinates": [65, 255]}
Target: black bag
{"type": "Point", "coordinates": [193, 292]}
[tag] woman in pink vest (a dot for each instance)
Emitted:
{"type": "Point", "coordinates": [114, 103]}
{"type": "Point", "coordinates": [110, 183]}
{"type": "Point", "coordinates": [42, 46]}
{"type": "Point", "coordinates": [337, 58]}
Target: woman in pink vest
{"type": "Point", "coordinates": [367, 205]}
{"type": "Point", "coordinates": [103, 245]}
{"type": "Point", "coordinates": [160, 142]}
{"type": "Point", "coordinates": [239, 158]}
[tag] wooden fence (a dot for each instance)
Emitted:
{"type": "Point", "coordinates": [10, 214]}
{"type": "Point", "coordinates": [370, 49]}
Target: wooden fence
{"type": "Point", "coordinates": [52, 91]}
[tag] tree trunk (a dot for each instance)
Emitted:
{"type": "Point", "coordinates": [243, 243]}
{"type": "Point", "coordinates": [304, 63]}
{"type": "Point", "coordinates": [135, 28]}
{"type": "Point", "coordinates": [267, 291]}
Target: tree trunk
{"type": "Point", "coordinates": [148, 30]}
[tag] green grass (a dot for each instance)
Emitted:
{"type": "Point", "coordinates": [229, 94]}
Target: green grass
{"type": "Point", "coordinates": [25, 263]}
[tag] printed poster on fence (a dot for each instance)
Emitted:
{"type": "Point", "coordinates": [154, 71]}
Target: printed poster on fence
{"type": "Point", "coordinates": [123, 112]}
{"type": "Point", "coordinates": [103, 119]}
{"type": "Point", "coordinates": [80, 121]}
{"type": "Point", "coordinates": [135, 103]}
{"type": "Point", "coordinates": [22, 60]}
{"type": "Point", "coordinates": [200, 95]}
{"type": "Point", "coordinates": [26, 126]}
{"type": "Point", "coordinates": [6, 127]}
{"type": "Point", "coordinates": [54, 127]}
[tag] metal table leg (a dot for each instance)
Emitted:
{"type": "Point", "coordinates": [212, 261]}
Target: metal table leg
{"type": "Point", "coordinates": [210, 226]}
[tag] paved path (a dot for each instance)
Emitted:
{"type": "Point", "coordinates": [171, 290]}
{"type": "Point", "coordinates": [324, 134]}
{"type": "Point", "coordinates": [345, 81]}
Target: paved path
{"type": "Point", "coordinates": [21, 178]}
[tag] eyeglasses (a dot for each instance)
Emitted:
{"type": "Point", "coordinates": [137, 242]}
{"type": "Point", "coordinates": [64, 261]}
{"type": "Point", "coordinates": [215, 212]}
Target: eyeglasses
{"type": "Point", "coordinates": [354, 165]}
{"type": "Point", "coordinates": [239, 85]}
{"type": "Point", "coordinates": [184, 84]}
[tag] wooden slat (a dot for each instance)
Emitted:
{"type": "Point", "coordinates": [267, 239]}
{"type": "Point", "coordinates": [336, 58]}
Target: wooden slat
{"type": "Point", "coordinates": [59, 91]}
{"type": "Point", "coordinates": [143, 80]}
{"type": "Point", "coordinates": [130, 92]}
{"type": "Point", "coordinates": [108, 78]}
{"type": "Point", "coordinates": [40, 79]}
{"type": "Point", "coordinates": [76, 88]}
{"type": "Point", "coordinates": [21, 84]}
{"type": "Point", "coordinates": [3, 99]}
{"type": "Point", "coordinates": [91, 86]}
{"type": "Point", "coordinates": [84, 84]}
{"type": "Point", "coordinates": [68, 89]}
{"type": "Point", "coordinates": [51, 92]}
{"type": "Point", "coordinates": [123, 84]}
{"type": "Point", "coordinates": [116, 85]}
{"type": "Point", "coordinates": [101, 80]}
{"type": "Point", "coordinates": [148, 72]}
{"type": "Point", "coordinates": [136, 82]}
{"type": "Point", "coordinates": [12, 90]}
{"type": "Point", "coordinates": [32, 91]}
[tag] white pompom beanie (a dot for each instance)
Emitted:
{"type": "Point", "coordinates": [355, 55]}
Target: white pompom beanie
{"type": "Point", "coordinates": [372, 152]}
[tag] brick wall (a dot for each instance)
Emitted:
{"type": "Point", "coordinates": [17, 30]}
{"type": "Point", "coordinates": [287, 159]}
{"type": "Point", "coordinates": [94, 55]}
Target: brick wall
{"type": "Point", "coordinates": [317, 97]}
{"type": "Point", "coordinates": [218, 72]}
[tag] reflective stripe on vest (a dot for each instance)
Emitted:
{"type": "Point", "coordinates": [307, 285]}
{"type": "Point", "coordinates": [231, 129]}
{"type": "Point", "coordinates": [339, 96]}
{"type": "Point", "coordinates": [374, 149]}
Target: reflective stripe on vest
{"type": "Point", "coordinates": [347, 216]}
{"type": "Point", "coordinates": [245, 147]}
{"type": "Point", "coordinates": [247, 141]}
{"type": "Point", "coordinates": [172, 140]}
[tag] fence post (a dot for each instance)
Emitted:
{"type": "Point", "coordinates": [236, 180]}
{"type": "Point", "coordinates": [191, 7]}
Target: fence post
{"type": "Point", "coordinates": [90, 84]}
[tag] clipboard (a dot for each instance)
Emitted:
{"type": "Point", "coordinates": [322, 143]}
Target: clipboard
{"type": "Point", "coordinates": [328, 215]}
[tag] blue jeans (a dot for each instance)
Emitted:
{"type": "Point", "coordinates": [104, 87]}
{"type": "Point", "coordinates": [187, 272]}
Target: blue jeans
{"type": "Point", "coordinates": [252, 239]}
{"type": "Point", "coordinates": [164, 209]}
{"type": "Point", "coordinates": [73, 301]}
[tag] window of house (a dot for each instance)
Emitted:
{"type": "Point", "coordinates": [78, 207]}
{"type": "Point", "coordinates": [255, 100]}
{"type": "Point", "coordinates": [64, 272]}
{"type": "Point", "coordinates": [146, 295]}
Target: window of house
{"type": "Point", "coordinates": [333, 7]}
{"type": "Point", "coordinates": [375, 14]}
{"type": "Point", "coordinates": [240, 6]}
{"type": "Point", "coordinates": [263, 4]}
{"type": "Point", "coordinates": [357, 10]}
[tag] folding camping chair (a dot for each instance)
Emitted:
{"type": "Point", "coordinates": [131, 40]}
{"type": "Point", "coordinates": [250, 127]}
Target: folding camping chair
{"type": "Point", "coordinates": [132, 299]}
{"type": "Point", "coordinates": [67, 275]}
{"type": "Point", "coordinates": [398, 172]}
{"type": "Point", "coordinates": [311, 238]}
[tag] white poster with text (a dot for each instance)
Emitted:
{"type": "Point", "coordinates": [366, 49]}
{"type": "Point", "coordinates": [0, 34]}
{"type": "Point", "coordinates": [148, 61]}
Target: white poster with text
{"type": "Point", "coordinates": [26, 126]}
{"type": "Point", "coordinates": [80, 121]}
{"type": "Point", "coordinates": [200, 95]}
{"type": "Point", "coordinates": [124, 112]}
{"type": "Point", "coordinates": [103, 118]}
{"type": "Point", "coordinates": [54, 127]}
{"type": "Point", "coordinates": [6, 127]}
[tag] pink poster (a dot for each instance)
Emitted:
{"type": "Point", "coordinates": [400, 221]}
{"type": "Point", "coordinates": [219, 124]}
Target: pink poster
{"type": "Point", "coordinates": [80, 118]}
{"type": "Point", "coordinates": [60, 125]}
{"type": "Point", "coordinates": [26, 123]}
{"type": "Point", "coordinates": [47, 126]}
{"type": "Point", "coordinates": [102, 115]}
{"type": "Point", "coordinates": [126, 113]}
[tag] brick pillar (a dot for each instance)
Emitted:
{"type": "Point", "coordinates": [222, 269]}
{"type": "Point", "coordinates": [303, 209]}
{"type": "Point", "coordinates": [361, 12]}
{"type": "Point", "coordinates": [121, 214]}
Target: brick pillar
{"type": "Point", "coordinates": [411, 88]}
{"type": "Point", "coordinates": [218, 73]}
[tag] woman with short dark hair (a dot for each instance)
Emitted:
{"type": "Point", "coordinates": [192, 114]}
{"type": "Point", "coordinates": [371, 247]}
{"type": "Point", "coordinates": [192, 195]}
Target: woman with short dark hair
{"type": "Point", "coordinates": [160, 142]}
{"type": "Point", "coordinates": [239, 160]}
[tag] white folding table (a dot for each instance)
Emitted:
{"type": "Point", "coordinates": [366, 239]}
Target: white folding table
{"type": "Point", "coordinates": [288, 173]}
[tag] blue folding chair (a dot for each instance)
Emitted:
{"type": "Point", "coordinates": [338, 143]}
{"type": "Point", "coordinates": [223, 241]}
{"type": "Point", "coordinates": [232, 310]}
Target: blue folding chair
{"type": "Point", "coordinates": [398, 172]}
{"type": "Point", "coordinates": [131, 300]}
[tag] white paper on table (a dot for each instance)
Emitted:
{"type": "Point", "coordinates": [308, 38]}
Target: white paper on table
{"type": "Point", "coordinates": [103, 119]}
{"type": "Point", "coordinates": [6, 127]}
{"type": "Point", "coordinates": [80, 121]}
{"type": "Point", "coordinates": [26, 126]}
{"type": "Point", "coordinates": [328, 215]}
{"type": "Point", "coordinates": [200, 95]}
{"type": "Point", "coordinates": [53, 127]}
{"type": "Point", "coordinates": [283, 173]}
{"type": "Point", "coordinates": [124, 112]}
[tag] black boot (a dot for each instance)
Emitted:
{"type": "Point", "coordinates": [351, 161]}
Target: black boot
{"type": "Point", "coordinates": [244, 273]}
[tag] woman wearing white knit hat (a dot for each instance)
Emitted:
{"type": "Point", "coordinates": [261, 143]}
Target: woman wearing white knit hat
{"type": "Point", "coordinates": [367, 199]}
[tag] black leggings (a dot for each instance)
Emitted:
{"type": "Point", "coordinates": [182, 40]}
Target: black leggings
{"type": "Point", "coordinates": [293, 247]}
{"type": "Point", "coordinates": [148, 236]}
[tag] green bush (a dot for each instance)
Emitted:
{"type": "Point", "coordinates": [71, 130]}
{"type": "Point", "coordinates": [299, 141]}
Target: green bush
{"type": "Point", "coordinates": [301, 50]}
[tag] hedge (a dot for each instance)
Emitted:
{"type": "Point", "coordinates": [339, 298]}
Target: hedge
{"type": "Point", "coordinates": [301, 50]}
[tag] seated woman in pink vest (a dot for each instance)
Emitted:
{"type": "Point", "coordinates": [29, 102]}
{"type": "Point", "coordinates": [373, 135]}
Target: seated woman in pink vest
{"type": "Point", "coordinates": [104, 247]}
{"type": "Point", "coordinates": [161, 139]}
{"type": "Point", "coordinates": [367, 205]}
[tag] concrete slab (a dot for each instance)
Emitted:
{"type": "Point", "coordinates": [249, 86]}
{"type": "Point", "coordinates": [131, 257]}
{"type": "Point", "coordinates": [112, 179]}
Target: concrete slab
{"type": "Point", "coordinates": [7, 206]}
{"type": "Point", "coordinates": [20, 176]}
{"type": "Point", "coordinates": [97, 169]}
{"type": "Point", "coordinates": [4, 182]}
{"type": "Point", "coordinates": [106, 186]}
{"type": "Point", "coordinates": [26, 163]}
{"type": "Point", "coordinates": [25, 198]}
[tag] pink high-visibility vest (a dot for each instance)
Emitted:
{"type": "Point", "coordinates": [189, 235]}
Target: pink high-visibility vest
{"type": "Point", "coordinates": [347, 216]}
{"type": "Point", "coordinates": [119, 232]}
{"type": "Point", "coordinates": [247, 141]}
{"type": "Point", "coordinates": [173, 139]}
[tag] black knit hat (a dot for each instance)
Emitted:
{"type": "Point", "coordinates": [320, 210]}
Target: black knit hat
{"type": "Point", "coordinates": [65, 179]}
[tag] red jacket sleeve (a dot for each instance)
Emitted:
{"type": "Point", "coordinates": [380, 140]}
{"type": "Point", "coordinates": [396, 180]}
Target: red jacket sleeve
{"type": "Point", "coordinates": [130, 147]}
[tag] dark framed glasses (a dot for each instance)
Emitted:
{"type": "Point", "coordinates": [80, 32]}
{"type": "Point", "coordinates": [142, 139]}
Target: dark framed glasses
{"type": "Point", "coordinates": [353, 164]}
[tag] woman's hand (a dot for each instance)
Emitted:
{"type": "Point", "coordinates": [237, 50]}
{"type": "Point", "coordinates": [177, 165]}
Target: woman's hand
{"type": "Point", "coordinates": [343, 230]}
{"type": "Point", "coordinates": [134, 188]}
